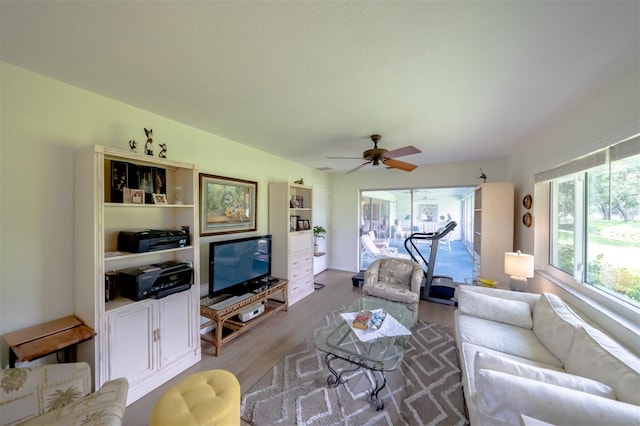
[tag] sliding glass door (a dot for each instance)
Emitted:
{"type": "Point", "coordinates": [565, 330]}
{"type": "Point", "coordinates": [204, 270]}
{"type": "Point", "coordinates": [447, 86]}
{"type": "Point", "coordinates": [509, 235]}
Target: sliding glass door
{"type": "Point", "coordinates": [388, 217]}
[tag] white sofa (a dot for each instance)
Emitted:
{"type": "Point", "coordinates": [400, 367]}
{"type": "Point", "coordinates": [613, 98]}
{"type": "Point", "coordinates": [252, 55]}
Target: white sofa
{"type": "Point", "coordinates": [529, 359]}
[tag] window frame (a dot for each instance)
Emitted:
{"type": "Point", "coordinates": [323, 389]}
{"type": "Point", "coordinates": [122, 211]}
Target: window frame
{"type": "Point", "coordinates": [617, 309]}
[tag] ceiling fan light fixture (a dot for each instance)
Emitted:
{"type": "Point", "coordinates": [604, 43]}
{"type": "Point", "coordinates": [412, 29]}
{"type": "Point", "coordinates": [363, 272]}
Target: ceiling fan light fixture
{"type": "Point", "coordinates": [375, 156]}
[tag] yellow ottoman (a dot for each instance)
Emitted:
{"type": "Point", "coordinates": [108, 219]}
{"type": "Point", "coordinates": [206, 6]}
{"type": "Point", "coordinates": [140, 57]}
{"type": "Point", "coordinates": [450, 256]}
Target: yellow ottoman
{"type": "Point", "coordinates": [208, 398]}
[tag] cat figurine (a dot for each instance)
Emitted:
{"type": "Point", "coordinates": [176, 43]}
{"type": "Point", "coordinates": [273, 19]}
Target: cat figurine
{"type": "Point", "coordinates": [148, 145]}
{"type": "Point", "coordinates": [133, 145]}
{"type": "Point", "coordinates": [163, 152]}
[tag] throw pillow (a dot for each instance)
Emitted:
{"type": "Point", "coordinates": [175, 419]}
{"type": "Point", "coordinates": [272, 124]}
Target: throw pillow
{"type": "Point", "coordinates": [495, 308]}
{"type": "Point", "coordinates": [597, 356]}
{"type": "Point", "coordinates": [503, 398]}
{"type": "Point", "coordinates": [554, 324]}
{"type": "Point", "coordinates": [498, 363]}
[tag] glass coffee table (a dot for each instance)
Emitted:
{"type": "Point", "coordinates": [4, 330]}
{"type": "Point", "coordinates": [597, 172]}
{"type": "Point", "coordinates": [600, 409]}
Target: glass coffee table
{"type": "Point", "coordinates": [379, 355]}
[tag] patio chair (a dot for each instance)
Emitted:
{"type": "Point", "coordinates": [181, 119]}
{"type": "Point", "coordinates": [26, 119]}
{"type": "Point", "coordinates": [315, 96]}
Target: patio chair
{"type": "Point", "coordinates": [379, 242]}
{"type": "Point", "coordinates": [446, 241]}
{"type": "Point", "coordinates": [371, 252]}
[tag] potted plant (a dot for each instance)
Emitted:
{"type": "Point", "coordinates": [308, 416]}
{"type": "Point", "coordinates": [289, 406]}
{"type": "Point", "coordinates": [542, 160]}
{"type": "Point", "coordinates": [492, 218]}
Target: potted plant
{"type": "Point", "coordinates": [318, 233]}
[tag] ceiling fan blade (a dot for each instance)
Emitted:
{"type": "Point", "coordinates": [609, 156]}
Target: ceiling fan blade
{"type": "Point", "coordinates": [345, 158]}
{"type": "Point", "coordinates": [358, 168]}
{"type": "Point", "coordinates": [407, 150]}
{"type": "Point", "coordinates": [397, 164]}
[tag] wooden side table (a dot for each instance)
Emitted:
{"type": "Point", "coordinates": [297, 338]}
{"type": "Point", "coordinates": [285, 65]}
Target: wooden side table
{"type": "Point", "coordinates": [44, 339]}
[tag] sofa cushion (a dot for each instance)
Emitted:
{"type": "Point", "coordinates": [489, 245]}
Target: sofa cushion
{"type": "Point", "coordinates": [595, 355]}
{"type": "Point", "coordinates": [105, 407]}
{"type": "Point", "coordinates": [30, 392]}
{"type": "Point", "coordinates": [530, 298]}
{"type": "Point", "coordinates": [467, 360]}
{"type": "Point", "coordinates": [502, 337]}
{"type": "Point", "coordinates": [394, 292]}
{"type": "Point", "coordinates": [494, 362]}
{"type": "Point", "coordinates": [554, 323]}
{"type": "Point", "coordinates": [503, 398]}
{"type": "Point", "coordinates": [494, 308]}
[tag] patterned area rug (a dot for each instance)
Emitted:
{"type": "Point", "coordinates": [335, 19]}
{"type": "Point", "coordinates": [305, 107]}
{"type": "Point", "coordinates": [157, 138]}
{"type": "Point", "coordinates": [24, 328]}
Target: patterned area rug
{"type": "Point", "coordinates": [426, 390]}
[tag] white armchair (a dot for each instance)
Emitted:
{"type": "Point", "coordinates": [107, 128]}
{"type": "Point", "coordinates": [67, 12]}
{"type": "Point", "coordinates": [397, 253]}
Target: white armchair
{"type": "Point", "coordinates": [399, 280]}
{"type": "Point", "coordinates": [59, 394]}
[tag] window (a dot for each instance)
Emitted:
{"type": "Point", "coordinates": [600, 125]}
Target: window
{"type": "Point", "coordinates": [594, 220]}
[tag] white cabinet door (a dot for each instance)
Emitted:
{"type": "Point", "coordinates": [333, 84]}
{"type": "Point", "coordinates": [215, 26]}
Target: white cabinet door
{"type": "Point", "coordinates": [131, 334]}
{"type": "Point", "coordinates": [175, 318]}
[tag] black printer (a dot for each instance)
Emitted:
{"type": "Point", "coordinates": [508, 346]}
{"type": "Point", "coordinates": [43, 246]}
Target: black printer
{"type": "Point", "coordinates": [156, 280]}
{"type": "Point", "coordinates": [144, 240]}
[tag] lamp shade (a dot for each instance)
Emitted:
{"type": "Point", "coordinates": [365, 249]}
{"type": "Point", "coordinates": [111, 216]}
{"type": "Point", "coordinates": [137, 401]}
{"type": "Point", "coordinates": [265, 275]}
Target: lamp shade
{"type": "Point", "coordinates": [518, 264]}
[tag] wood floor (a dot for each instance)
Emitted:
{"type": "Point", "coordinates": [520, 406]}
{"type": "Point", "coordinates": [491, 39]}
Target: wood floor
{"type": "Point", "coordinates": [251, 355]}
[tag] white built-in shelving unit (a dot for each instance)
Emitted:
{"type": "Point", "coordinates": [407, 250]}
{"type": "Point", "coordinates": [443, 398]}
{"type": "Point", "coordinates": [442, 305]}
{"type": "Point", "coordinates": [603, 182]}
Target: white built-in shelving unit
{"type": "Point", "coordinates": [493, 229]}
{"type": "Point", "coordinates": [292, 247]}
{"type": "Point", "coordinates": [152, 340]}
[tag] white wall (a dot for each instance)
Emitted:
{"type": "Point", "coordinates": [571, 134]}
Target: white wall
{"type": "Point", "coordinates": [602, 118]}
{"type": "Point", "coordinates": [592, 124]}
{"type": "Point", "coordinates": [43, 122]}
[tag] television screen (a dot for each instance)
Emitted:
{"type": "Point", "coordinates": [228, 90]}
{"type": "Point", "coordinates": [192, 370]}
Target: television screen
{"type": "Point", "coordinates": [235, 266]}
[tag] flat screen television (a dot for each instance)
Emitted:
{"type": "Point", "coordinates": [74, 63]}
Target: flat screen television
{"type": "Point", "coordinates": [238, 266]}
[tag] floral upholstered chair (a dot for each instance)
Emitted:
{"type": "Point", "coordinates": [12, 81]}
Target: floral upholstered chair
{"type": "Point", "coordinates": [394, 279]}
{"type": "Point", "coordinates": [59, 394]}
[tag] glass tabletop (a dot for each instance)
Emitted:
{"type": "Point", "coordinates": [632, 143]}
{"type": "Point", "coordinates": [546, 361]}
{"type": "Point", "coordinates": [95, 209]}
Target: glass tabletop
{"type": "Point", "coordinates": [384, 353]}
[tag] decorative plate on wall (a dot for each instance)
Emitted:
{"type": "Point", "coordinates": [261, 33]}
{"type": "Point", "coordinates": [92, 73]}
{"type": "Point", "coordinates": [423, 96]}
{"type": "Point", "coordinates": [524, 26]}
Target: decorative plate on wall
{"type": "Point", "coordinates": [527, 219]}
{"type": "Point", "coordinates": [527, 201]}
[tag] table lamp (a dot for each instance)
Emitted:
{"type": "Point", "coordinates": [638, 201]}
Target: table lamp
{"type": "Point", "coordinates": [520, 267]}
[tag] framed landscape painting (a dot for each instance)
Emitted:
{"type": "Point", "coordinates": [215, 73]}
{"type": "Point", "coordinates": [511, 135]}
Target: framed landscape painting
{"type": "Point", "coordinates": [227, 205]}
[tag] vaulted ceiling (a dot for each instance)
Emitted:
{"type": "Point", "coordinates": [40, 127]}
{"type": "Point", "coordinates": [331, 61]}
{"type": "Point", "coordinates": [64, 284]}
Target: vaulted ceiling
{"type": "Point", "coordinates": [459, 80]}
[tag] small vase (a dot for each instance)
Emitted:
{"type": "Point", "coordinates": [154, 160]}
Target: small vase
{"type": "Point", "coordinates": [179, 200]}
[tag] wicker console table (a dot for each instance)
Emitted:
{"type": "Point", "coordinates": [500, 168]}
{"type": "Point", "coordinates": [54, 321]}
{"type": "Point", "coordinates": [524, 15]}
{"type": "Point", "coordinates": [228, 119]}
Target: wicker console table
{"type": "Point", "coordinates": [227, 327]}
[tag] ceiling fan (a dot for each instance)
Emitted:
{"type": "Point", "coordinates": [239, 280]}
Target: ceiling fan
{"type": "Point", "coordinates": [377, 155]}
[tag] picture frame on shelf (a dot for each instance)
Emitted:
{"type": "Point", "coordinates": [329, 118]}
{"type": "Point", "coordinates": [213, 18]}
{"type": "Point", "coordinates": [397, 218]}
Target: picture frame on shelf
{"type": "Point", "coordinates": [119, 181]}
{"type": "Point", "coordinates": [137, 196]}
{"type": "Point", "coordinates": [227, 205]}
{"type": "Point", "coordinates": [126, 195]}
{"type": "Point", "coordinates": [159, 198]}
{"type": "Point", "coordinates": [145, 182]}
{"type": "Point", "coordinates": [303, 225]}
{"type": "Point", "coordinates": [299, 201]}
{"type": "Point", "coordinates": [159, 180]}
{"type": "Point", "coordinates": [293, 223]}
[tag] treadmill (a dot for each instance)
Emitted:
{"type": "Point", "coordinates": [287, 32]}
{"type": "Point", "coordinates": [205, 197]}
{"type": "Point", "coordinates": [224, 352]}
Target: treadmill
{"type": "Point", "coordinates": [436, 288]}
